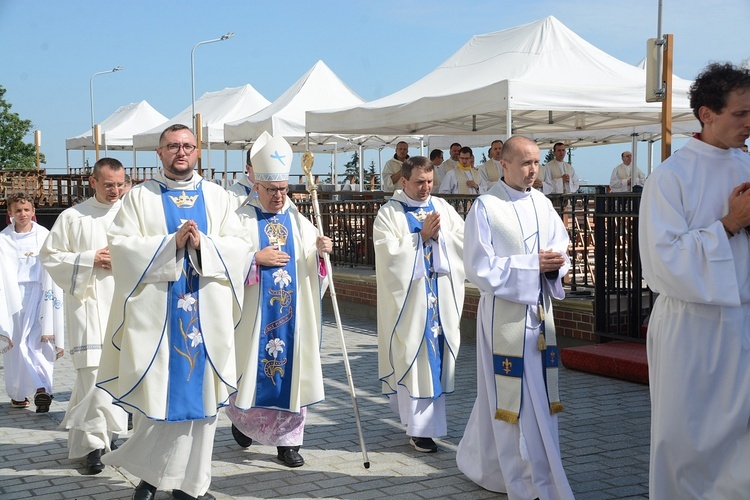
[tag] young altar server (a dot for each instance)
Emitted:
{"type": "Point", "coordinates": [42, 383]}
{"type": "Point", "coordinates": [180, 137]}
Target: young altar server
{"type": "Point", "coordinates": [32, 317]}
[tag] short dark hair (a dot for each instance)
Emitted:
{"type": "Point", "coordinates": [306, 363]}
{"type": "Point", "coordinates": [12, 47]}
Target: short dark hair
{"type": "Point", "coordinates": [18, 197]}
{"type": "Point", "coordinates": [413, 162]}
{"type": "Point", "coordinates": [558, 144]}
{"type": "Point", "coordinates": [465, 150]}
{"type": "Point", "coordinates": [436, 153]}
{"type": "Point", "coordinates": [454, 144]}
{"type": "Point", "coordinates": [495, 141]}
{"type": "Point", "coordinates": [173, 128]}
{"type": "Point", "coordinates": [713, 85]}
{"type": "Point", "coordinates": [111, 163]}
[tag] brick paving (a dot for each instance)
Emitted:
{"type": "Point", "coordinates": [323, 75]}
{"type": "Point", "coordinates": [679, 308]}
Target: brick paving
{"type": "Point", "coordinates": [604, 436]}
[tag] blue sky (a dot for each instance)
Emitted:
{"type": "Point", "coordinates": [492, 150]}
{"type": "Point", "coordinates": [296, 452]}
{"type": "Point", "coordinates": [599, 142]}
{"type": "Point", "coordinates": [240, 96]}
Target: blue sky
{"type": "Point", "coordinates": [50, 50]}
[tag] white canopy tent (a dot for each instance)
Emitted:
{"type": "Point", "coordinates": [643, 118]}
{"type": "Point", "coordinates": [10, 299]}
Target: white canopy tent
{"type": "Point", "coordinates": [216, 109]}
{"type": "Point", "coordinates": [539, 78]}
{"type": "Point", "coordinates": [318, 89]}
{"type": "Point", "coordinates": [118, 129]}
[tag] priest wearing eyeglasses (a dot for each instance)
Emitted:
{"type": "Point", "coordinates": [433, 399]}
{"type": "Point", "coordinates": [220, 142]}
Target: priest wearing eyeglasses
{"type": "Point", "coordinates": [178, 256]}
{"type": "Point", "coordinates": [278, 338]}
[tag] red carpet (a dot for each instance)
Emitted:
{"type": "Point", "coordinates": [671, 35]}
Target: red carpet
{"type": "Point", "coordinates": [622, 360]}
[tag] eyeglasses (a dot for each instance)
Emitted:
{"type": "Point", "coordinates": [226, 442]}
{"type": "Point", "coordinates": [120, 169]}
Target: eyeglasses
{"type": "Point", "coordinates": [273, 191]}
{"type": "Point", "coordinates": [113, 185]}
{"type": "Point", "coordinates": [174, 148]}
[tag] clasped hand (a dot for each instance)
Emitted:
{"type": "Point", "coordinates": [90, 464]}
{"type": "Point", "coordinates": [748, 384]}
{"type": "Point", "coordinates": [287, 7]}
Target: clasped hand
{"type": "Point", "coordinates": [188, 234]}
{"type": "Point", "coordinates": [431, 226]}
{"type": "Point", "coordinates": [549, 260]}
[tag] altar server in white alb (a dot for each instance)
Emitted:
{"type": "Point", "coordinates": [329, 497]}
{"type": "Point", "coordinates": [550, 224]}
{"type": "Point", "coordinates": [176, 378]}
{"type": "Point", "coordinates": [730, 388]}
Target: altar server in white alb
{"type": "Point", "coordinates": [515, 253]}
{"type": "Point", "coordinates": [243, 188]}
{"type": "Point", "coordinates": [76, 256]}
{"type": "Point", "coordinates": [179, 257]}
{"type": "Point", "coordinates": [418, 242]}
{"type": "Point", "coordinates": [278, 339]}
{"type": "Point", "coordinates": [695, 249]}
{"type": "Point", "coordinates": [32, 317]}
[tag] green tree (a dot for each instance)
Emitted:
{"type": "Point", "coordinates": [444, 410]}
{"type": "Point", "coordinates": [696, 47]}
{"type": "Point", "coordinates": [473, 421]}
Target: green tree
{"type": "Point", "coordinates": [14, 153]}
{"type": "Point", "coordinates": [352, 168]}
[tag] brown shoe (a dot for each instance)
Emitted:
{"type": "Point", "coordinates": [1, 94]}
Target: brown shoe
{"type": "Point", "coordinates": [20, 404]}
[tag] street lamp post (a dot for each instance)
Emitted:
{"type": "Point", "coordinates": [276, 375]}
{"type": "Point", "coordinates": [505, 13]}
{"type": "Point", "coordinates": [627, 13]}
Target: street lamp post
{"type": "Point", "coordinates": [91, 94]}
{"type": "Point", "coordinates": [192, 67]}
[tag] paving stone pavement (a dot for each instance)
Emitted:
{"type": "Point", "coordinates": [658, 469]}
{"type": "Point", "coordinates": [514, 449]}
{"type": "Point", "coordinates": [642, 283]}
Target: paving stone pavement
{"type": "Point", "coordinates": [604, 437]}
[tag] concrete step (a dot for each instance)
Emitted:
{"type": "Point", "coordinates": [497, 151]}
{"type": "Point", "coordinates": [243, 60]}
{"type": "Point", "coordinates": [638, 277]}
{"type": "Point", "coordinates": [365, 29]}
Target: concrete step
{"type": "Point", "coordinates": [621, 360]}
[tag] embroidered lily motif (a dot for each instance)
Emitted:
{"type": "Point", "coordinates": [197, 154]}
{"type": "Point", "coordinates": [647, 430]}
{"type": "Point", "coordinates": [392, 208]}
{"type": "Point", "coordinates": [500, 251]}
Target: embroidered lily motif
{"type": "Point", "coordinates": [186, 301]}
{"type": "Point", "coordinates": [274, 347]}
{"type": "Point", "coordinates": [282, 278]}
{"type": "Point", "coordinates": [435, 329]}
{"type": "Point", "coordinates": [195, 336]}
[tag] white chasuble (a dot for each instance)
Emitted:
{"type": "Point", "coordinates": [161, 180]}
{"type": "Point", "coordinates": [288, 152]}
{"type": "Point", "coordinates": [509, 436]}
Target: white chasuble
{"type": "Point", "coordinates": [135, 363]}
{"type": "Point", "coordinates": [403, 303]}
{"type": "Point", "coordinates": [260, 353]}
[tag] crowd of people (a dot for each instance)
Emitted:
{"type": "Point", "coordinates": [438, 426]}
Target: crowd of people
{"type": "Point", "coordinates": [181, 298]}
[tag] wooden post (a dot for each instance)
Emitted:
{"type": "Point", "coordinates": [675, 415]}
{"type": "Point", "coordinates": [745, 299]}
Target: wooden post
{"type": "Point", "coordinates": [97, 131]}
{"type": "Point", "coordinates": [666, 105]}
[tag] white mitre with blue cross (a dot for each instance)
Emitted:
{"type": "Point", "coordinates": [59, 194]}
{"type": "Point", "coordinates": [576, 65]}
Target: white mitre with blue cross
{"type": "Point", "coordinates": [271, 158]}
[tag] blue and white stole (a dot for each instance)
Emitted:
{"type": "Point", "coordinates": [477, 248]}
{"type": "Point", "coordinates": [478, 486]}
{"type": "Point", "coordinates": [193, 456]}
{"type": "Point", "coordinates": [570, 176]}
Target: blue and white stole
{"type": "Point", "coordinates": [187, 353]}
{"type": "Point", "coordinates": [278, 304]}
{"type": "Point", "coordinates": [434, 340]}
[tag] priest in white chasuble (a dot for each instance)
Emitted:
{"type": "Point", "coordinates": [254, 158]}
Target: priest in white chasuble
{"type": "Point", "coordinates": [179, 256]}
{"type": "Point", "coordinates": [695, 249]}
{"type": "Point", "coordinates": [516, 247]}
{"type": "Point", "coordinates": [419, 266]}
{"type": "Point", "coordinates": [279, 337]}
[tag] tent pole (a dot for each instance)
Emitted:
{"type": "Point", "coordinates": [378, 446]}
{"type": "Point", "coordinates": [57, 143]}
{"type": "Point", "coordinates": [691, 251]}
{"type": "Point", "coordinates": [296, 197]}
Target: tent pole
{"type": "Point", "coordinates": [361, 169]}
{"type": "Point", "coordinates": [508, 124]}
{"type": "Point", "coordinates": [634, 163]}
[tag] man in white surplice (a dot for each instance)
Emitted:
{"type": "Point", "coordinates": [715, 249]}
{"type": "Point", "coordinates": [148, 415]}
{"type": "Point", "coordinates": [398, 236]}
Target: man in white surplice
{"type": "Point", "coordinates": [491, 171]}
{"type": "Point", "coordinates": [695, 249]}
{"type": "Point", "coordinates": [179, 256]}
{"type": "Point", "coordinates": [463, 178]}
{"type": "Point", "coordinates": [515, 253]}
{"type": "Point", "coordinates": [559, 176]}
{"type": "Point", "coordinates": [279, 336]}
{"type": "Point", "coordinates": [76, 256]}
{"type": "Point", "coordinates": [620, 181]}
{"type": "Point", "coordinates": [418, 242]}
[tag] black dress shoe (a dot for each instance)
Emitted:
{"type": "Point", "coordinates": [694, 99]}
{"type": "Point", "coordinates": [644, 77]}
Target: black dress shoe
{"type": "Point", "coordinates": [94, 462]}
{"type": "Point", "coordinates": [289, 456]}
{"type": "Point", "coordinates": [144, 491]}
{"type": "Point", "coordinates": [241, 439]}
{"type": "Point", "coordinates": [181, 495]}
